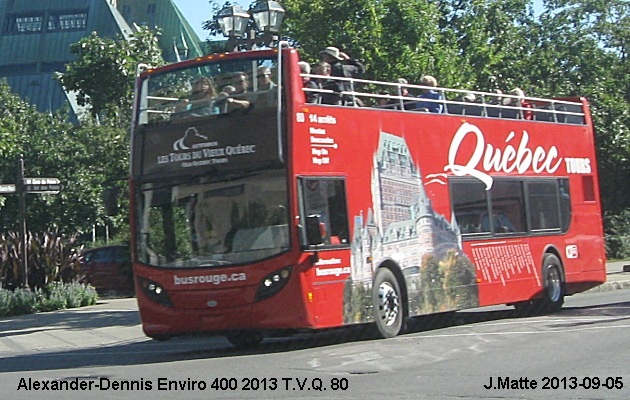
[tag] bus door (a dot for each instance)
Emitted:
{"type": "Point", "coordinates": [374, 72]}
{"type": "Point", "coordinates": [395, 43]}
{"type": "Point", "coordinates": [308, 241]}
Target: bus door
{"type": "Point", "coordinates": [324, 210]}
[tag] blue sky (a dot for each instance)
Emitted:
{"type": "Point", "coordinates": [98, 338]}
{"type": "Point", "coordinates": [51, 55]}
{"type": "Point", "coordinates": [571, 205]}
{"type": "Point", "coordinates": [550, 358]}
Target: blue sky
{"type": "Point", "coordinates": [197, 11]}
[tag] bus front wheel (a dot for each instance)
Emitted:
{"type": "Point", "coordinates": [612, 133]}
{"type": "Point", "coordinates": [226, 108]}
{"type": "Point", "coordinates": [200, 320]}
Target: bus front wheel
{"type": "Point", "coordinates": [387, 304]}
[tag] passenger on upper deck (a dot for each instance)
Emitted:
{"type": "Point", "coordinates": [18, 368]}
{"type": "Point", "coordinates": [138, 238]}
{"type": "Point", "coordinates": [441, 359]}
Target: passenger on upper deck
{"type": "Point", "coordinates": [404, 92]}
{"type": "Point", "coordinates": [493, 102]}
{"type": "Point", "coordinates": [323, 68]}
{"type": "Point", "coordinates": [239, 87]}
{"type": "Point", "coordinates": [341, 64]}
{"type": "Point", "coordinates": [403, 89]}
{"type": "Point", "coordinates": [498, 99]}
{"type": "Point", "coordinates": [311, 97]}
{"type": "Point", "coordinates": [199, 102]}
{"type": "Point", "coordinates": [263, 78]}
{"type": "Point", "coordinates": [202, 88]}
{"type": "Point", "coordinates": [240, 81]}
{"type": "Point", "coordinates": [469, 97]}
{"type": "Point", "coordinates": [431, 94]}
{"type": "Point", "coordinates": [518, 100]}
{"type": "Point", "coordinates": [384, 102]}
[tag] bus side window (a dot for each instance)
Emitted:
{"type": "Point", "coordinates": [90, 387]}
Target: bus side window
{"type": "Point", "coordinates": [470, 205]}
{"type": "Point", "coordinates": [326, 199]}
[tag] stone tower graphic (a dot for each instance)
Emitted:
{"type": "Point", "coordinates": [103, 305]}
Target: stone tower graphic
{"type": "Point", "coordinates": [401, 227]}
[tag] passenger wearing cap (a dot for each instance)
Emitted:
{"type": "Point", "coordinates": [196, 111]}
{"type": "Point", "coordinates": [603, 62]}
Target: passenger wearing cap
{"type": "Point", "coordinates": [342, 65]}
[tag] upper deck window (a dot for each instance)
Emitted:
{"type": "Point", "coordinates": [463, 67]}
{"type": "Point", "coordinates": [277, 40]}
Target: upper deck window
{"type": "Point", "coordinates": [232, 87]}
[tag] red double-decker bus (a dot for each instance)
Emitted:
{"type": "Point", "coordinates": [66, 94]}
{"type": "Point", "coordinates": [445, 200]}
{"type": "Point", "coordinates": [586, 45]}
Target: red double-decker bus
{"type": "Point", "coordinates": [253, 211]}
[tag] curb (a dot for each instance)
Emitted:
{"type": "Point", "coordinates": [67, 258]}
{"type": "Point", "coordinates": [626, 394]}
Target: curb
{"type": "Point", "coordinates": [610, 286]}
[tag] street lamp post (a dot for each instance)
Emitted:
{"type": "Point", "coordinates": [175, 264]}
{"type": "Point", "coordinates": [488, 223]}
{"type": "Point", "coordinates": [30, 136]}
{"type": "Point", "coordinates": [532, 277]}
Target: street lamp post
{"type": "Point", "coordinates": [233, 21]}
{"type": "Point", "coordinates": [268, 17]}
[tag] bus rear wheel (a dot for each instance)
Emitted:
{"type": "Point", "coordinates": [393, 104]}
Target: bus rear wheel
{"type": "Point", "coordinates": [245, 339]}
{"type": "Point", "coordinates": [387, 304]}
{"type": "Point", "coordinates": [553, 290]}
{"type": "Point", "coordinates": [553, 293]}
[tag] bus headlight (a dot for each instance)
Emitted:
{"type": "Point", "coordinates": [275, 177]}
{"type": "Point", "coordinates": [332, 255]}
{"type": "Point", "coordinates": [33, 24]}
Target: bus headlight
{"type": "Point", "coordinates": [273, 283]}
{"type": "Point", "coordinates": [155, 292]}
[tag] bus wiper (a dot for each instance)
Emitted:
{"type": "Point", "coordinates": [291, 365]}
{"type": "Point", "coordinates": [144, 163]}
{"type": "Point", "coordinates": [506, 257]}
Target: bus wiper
{"type": "Point", "coordinates": [213, 263]}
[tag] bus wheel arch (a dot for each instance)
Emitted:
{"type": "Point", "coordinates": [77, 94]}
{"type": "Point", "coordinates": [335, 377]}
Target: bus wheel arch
{"type": "Point", "coordinates": [389, 301]}
{"type": "Point", "coordinates": [553, 286]}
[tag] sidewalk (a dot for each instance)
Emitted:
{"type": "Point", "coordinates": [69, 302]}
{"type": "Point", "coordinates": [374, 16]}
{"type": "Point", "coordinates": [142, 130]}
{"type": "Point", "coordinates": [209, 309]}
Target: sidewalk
{"type": "Point", "coordinates": [115, 322]}
{"type": "Point", "coordinates": [108, 323]}
{"type": "Point", "coordinates": [616, 278]}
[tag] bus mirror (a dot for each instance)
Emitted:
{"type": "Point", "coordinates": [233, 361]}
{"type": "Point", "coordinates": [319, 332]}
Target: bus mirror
{"type": "Point", "coordinates": [314, 234]}
{"type": "Point", "coordinates": [110, 200]}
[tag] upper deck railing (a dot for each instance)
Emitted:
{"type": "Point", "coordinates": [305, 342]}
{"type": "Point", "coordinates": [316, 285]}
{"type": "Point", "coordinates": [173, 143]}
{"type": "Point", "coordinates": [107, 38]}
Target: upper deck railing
{"type": "Point", "coordinates": [388, 95]}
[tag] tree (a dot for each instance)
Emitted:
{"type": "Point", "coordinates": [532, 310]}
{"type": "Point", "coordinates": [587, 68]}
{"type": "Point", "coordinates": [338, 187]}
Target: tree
{"type": "Point", "coordinates": [489, 39]}
{"type": "Point", "coordinates": [395, 38]}
{"type": "Point", "coordinates": [82, 157]}
{"type": "Point", "coordinates": [581, 49]}
{"type": "Point", "coordinates": [103, 74]}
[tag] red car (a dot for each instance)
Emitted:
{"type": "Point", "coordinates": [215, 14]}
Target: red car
{"type": "Point", "coordinates": [108, 269]}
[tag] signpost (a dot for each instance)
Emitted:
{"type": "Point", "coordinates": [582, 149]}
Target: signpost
{"type": "Point", "coordinates": [23, 186]}
{"type": "Point", "coordinates": [42, 185]}
{"type": "Point", "coordinates": [7, 188]}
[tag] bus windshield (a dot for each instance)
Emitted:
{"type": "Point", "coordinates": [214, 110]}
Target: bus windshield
{"type": "Point", "coordinates": [211, 89]}
{"type": "Point", "coordinates": [201, 223]}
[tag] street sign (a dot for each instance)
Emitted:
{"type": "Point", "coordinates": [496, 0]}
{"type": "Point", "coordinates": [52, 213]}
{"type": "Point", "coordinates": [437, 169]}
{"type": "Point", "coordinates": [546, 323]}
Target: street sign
{"type": "Point", "coordinates": [7, 188]}
{"type": "Point", "coordinates": [42, 185]}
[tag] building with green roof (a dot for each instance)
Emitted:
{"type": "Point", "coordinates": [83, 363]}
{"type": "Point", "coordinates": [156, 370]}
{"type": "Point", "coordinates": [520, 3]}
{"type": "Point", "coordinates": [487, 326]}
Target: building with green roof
{"type": "Point", "coordinates": [36, 36]}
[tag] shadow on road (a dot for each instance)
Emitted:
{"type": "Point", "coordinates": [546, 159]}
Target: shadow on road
{"type": "Point", "coordinates": [203, 347]}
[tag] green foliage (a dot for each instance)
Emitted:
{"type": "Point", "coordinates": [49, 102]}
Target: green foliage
{"type": "Point", "coordinates": [51, 257]}
{"type": "Point", "coordinates": [25, 301]}
{"type": "Point", "coordinates": [357, 302]}
{"type": "Point", "coordinates": [396, 38]}
{"type": "Point", "coordinates": [7, 301]}
{"type": "Point", "coordinates": [56, 296]}
{"type": "Point", "coordinates": [617, 234]}
{"type": "Point", "coordinates": [447, 283]}
{"type": "Point", "coordinates": [104, 71]}
{"type": "Point", "coordinates": [459, 280]}
{"type": "Point", "coordinates": [431, 283]}
{"type": "Point", "coordinates": [85, 158]}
